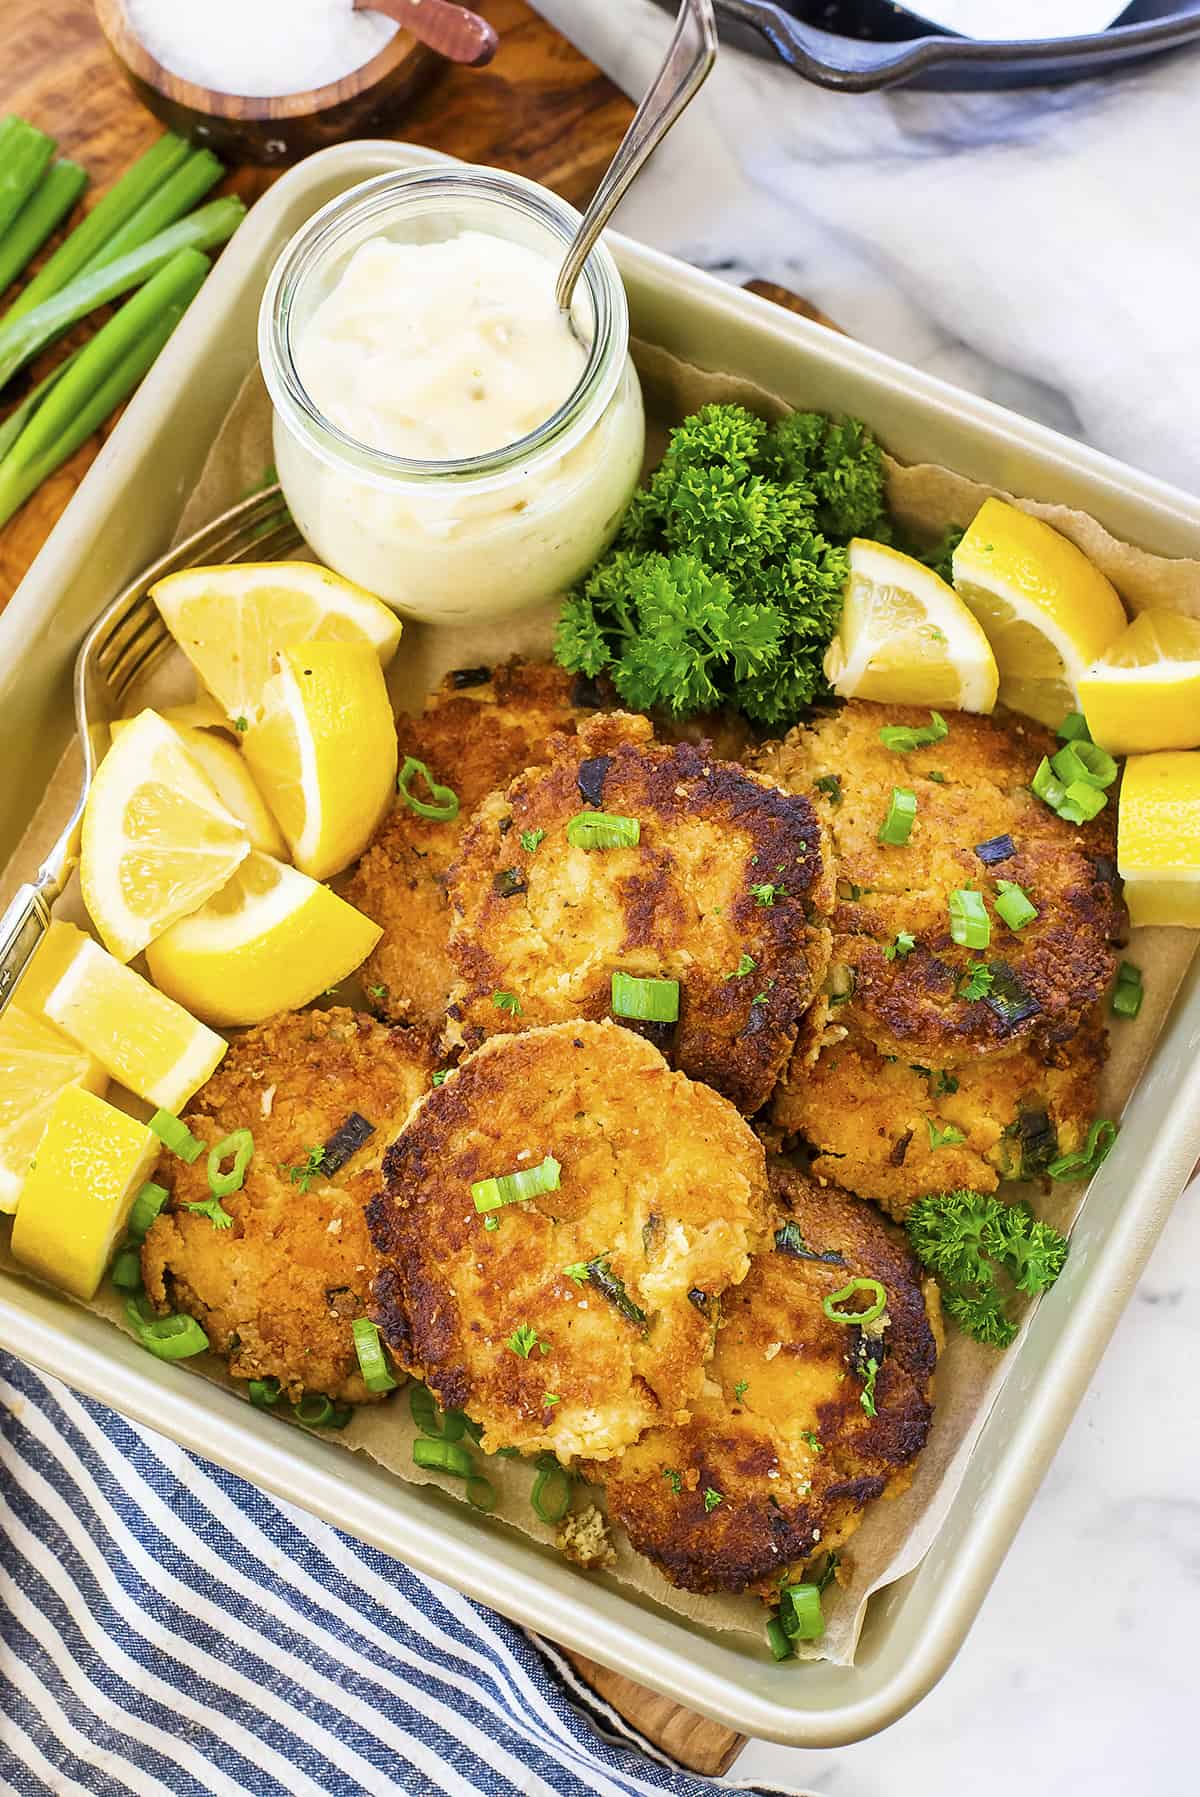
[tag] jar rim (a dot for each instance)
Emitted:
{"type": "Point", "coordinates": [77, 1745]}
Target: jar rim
{"type": "Point", "coordinates": [378, 197]}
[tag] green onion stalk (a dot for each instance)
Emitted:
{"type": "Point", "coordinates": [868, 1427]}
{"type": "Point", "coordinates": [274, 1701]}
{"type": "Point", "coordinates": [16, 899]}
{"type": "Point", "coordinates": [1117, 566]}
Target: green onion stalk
{"type": "Point", "coordinates": [25, 153]}
{"type": "Point", "coordinates": [45, 209]}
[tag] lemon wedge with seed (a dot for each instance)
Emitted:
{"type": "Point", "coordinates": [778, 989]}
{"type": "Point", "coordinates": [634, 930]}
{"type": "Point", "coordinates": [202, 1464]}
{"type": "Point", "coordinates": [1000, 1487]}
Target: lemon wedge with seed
{"type": "Point", "coordinates": [88, 1165]}
{"type": "Point", "coordinates": [1143, 693]}
{"type": "Point", "coordinates": [905, 638]}
{"type": "Point", "coordinates": [1158, 838]}
{"type": "Point", "coordinates": [324, 753]}
{"type": "Point", "coordinates": [1047, 610]}
{"type": "Point", "coordinates": [271, 940]}
{"type": "Point", "coordinates": [231, 622]}
{"type": "Point", "coordinates": [37, 1062]}
{"type": "Point", "coordinates": [157, 841]}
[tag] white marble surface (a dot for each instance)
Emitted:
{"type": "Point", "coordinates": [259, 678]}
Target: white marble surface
{"type": "Point", "coordinates": [1041, 248]}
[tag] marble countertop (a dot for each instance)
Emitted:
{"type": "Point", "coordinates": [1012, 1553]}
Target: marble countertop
{"type": "Point", "coordinates": [1038, 247]}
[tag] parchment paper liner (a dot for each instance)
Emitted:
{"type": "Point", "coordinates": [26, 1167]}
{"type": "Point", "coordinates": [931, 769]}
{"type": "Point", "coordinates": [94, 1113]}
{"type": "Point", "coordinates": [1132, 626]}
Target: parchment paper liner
{"type": "Point", "coordinates": [926, 498]}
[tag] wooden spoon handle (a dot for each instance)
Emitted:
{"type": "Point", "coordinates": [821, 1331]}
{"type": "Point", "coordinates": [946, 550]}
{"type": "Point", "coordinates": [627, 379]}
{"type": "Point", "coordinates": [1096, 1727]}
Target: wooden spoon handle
{"type": "Point", "coordinates": [452, 31]}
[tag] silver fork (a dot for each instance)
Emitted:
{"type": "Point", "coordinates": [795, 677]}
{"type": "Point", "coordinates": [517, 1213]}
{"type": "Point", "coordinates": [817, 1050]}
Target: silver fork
{"type": "Point", "coordinates": [126, 641]}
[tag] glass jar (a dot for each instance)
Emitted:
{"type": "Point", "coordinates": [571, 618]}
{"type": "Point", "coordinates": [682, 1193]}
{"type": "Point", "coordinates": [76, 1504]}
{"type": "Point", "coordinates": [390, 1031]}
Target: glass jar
{"type": "Point", "coordinates": [493, 533]}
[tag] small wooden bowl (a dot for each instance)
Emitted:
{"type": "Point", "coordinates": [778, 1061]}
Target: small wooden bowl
{"type": "Point", "coordinates": [275, 130]}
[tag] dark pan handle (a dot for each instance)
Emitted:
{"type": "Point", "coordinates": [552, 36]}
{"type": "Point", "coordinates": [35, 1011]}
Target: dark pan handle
{"type": "Point", "coordinates": [853, 65]}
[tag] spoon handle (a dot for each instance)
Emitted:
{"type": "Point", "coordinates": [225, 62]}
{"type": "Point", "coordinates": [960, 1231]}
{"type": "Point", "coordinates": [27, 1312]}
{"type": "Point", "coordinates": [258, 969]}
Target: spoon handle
{"type": "Point", "coordinates": [689, 59]}
{"type": "Point", "coordinates": [453, 31]}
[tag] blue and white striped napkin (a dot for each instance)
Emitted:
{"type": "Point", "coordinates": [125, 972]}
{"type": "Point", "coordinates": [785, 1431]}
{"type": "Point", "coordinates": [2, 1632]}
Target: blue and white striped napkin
{"type": "Point", "coordinates": [166, 1628]}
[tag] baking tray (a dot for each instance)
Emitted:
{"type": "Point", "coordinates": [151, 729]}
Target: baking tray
{"type": "Point", "coordinates": [121, 518]}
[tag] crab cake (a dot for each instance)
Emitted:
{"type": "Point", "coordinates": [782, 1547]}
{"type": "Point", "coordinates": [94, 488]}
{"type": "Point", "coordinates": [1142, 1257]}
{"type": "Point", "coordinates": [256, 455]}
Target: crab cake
{"type": "Point", "coordinates": [893, 1130]}
{"type": "Point", "coordinates": [972, 790]}
{"type": "Point", "coordinates": [478, 729]}
{"type": "Point", "coordinates": [805, 1421]}
{"type": "Point", "coordinates": [584, 1314]}
{"type": "Point", "coordinates": [727, 891]}
{"type": "Point", "coordinates": [278, 1291]}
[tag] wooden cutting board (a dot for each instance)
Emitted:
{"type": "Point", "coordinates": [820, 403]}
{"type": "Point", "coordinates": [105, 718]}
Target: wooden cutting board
{"type": "Point", "coordinates": [540, 109]}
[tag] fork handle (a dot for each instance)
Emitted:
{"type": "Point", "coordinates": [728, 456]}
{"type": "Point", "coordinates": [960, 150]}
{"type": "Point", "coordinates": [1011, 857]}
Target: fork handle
{"type": "Point", "coordinates": [22, 927]}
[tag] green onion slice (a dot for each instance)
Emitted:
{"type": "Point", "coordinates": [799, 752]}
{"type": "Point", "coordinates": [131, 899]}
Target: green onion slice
{"type": "Point", "coordinates": [800, 1612]}
{"type": "Point", "coordinates": [874, 1309]}
{"type": "Point", "coordinates": [970, 925]}
{"type": "Point", "coordinates": [146, 1207]}
{"type": "Point", "coordinates": [603, 830]}
{"type": "Point", "coordinates": [551, 1494]}
{"type": "Point", "coordinates": [443, 1457]}
{"type": "Point", "coordinates": [777, 1641]}
{"type": "Point", "coordinates": [439, 1425]}
{"type": "Point", "coordinates": [481, 1493]}
{"type": "Point", "coordinates": [241, 1146]}
{"type": "Point", "coordinates": [896, 827]}
{"type": "Point", "coordinates": [515, 1188]}
{"type": "Point", "coordinates": [1013, 905]}
{"type": "Point", "coordinates": [372, 1361]}
{"type": "Point", "coordinates": [264, 1394]}
{"type": "Point", "coordinates": [1086, 761]}
{"type": "Point", "coordinates": [648, 1001]}
{"type": "Point", "coordinates": [1081, 803]}
{"type": "Point", "coordinates": [314, 1410]}
{"type": "Point", "coordinates": [903, 739]}
{"type": "Point", "coordinates": [1127, 993]}
{"type": "Point", "coordinates": [176, 1136]}
{"type": "Point", "coordinates": [442, 803]}
{"type": "Point", "coordinates": [1073, 729]}
{"type": "Point", "coordinates": [175, 1337]}
{"type": "Point", "coordinates": [1047, 786]}
{"type": "Point", "coordinates": [127, 1270]}
{"type": "Point", "coordinates": [1084, 1161]}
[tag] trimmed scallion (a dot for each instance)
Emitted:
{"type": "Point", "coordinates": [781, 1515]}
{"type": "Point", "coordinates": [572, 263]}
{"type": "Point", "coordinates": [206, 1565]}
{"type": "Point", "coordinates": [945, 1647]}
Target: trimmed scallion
{"type": "Point", "coordinates": [24, 155]}
{"type": "Point", "coordinates": [874, 1309]}
{"type": "Point", "coordinates": [146, 1207]}
{"type": "Point", "coordinates": [551, 1494]}
{"type": "Point", "coordinates": [1013, 905]}
{"type": "Point", "coordinates": [800, 1612]}
{"type": "Point", "coordinates": [442, 803]}
{"type": "Point", "coordinates": [372, 1361]}
{"type": "Point", "coordinates": [1127, 993]}
{"type": "Point", "coordinates": [174, 1337]}
{"type": "Point", "coordinates": [439, 1425]}
{"type": "Point", "coordinates": [645, 1000]}
{"type": "Point", "coordinates": [603, 830]}
{"type": "Point", "coordinates": [241, 1146]}
{"type": "Point", "coordinates": [45, 208]}
{"type": "Point", "coordinates": [443, 1457]}
{"type": "Point", "coordinates": [970, 925]}
{"type": "Point", "coordinates": [176, 1136]}
{"type": "Point", "coordinates": [896, 827]}
{"type": "Point", "coordinates": [515, 1188]}
{"type": "Point", "coordinates": [183, 189]}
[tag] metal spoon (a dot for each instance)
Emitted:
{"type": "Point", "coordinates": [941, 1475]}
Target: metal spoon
{"type": "Point", "coordinates": [686, 67]}
{"type": "Point", "coordinates": [452, 31]}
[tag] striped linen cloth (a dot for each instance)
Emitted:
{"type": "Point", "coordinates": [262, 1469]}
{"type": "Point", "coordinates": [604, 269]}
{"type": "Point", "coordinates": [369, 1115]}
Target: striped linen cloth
{"type": "Point", "coordinates": [167, 1628]}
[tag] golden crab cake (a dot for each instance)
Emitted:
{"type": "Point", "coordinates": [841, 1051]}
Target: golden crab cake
{"type": "Point", "coordinates": [893, 1130]}
{"type": "Point", "coordinates": [480, 728]}
{"type": "Point", "coordinates": [805, 1421]}
{"type": "Point", "coordinates": [973, 793]}
{"type": "Point", "coordinates": [726, 891]}
{"type": "Point", "coordinates": [573, 1318]}
{"type": "Point", "coordinates": [278, 1290]}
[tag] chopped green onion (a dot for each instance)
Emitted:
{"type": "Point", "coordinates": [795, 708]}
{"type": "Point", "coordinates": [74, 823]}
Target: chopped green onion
{"type": "Point", "coordinates": [1127, 993]}
{"type": "Point", "coordinates": [603, 830]}
{"type": "Point", "coordinates": [874, 1309]}
{"type": "Point", "coordinates": [831, 786]}
{"type": "Point", "coordinates": [867, 1395]}
{"type": "Point", "coordinates": [800, 1612]}
{"type": "Point", "coordinates": [174, 1337]}
{"type": "Point", "coordinates": [1084, 761]}
{"type": "Point", "coordinates": [1073, 729]}
{"type": "Point", "coordinates": [481, 1493]}
{"type": "Point", "coordinates": [146, 1207]}
{"type": "Point", "coordinates": [970, 925]}
{"type": "Point", "coordinates": [648, 1001]}
{"type": "Point", "coordinates": [1081, 803]}
{"type": "Point", "coordinates": [372, 1361]}
{"type": "Point", "coordinates": [314, 1410]}
{"type": "Point", "coordinates": [515, 1188]}
{"type": "Point", "coordinates": [127, 1270]}
{"type": "Point", "coordinates": [491, 1223]}
{"type": "Point", "coordinates": [442, 803]}
{"type": "Point", "coordinates": [943, 1138]}
{"type": "Point", "coordinates": [176, 1136]}
{"type": "Point", "coordinates": [903, 738]}
{"type": "Point", "coordinates": [896, 827]}
{"type": "Point", "coordinates": [440, 1425]}
{"type": "Point", "coordinates": [443, 1457]}
{"type": "Point", "coordinates": [1084, 1161]}
{"type": "Point", "coordinates": [551, 1494]}
{"type": "Point", "coordinates": [241, 1146]}
{"type": "Point", "coordinates": [1013, 906]}
{"type": "Point", "coordinates": [781, 1648]}
{"type": "Point", "coordinates": [264, 1394]}
{"type": "Point", "coordinates": [1047, 786]}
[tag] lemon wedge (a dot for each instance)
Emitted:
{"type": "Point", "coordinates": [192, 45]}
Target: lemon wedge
{"type": "Point", "coordinates": [232, 621]}
{"type": "Point", "coordinates": [324, 754]}
{"type": "Point", "coordinates": [144, 1039]}
{"type": "Point", "coordinates": [54, 954]}
{"type": "Point", "coordinates": [271, 940]}
{"type": "Point", "coordinates": [905, 638]}
{"type": "Point", "coordinates": [1158, 837]}
{"type": "Point", "coordinates": [1143, 693]}
{"type": "Point", "coordinates": [87, 1167]}
{"type": "Point", "coordinates": [157, 841]}
{"type": "Point", "coordinates": [1047, 610]}
{"type": "Point", "coordinates": [227, 773]}
{"type": "Point", "coordinates": [37, 1062]}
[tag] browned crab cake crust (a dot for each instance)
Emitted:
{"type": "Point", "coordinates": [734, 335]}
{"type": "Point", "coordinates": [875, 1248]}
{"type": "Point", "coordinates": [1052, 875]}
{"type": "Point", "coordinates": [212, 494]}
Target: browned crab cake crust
{"type": "Point", "coordinates": [660, 1178]}
{"type": "Point", "coordinates": [910, 1005]}
{"type": "Point", "coordinates": [872, 1121]}
{"type": "Point", "coordinates": [775, 1500]}
{"type": "Point", "coordinates": [479, 728]}
{"type": "Point", "coordinates": [279, 1290]}
{"type": "Point", "coordinates": [549, 924]}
